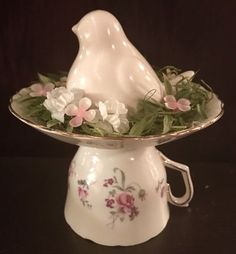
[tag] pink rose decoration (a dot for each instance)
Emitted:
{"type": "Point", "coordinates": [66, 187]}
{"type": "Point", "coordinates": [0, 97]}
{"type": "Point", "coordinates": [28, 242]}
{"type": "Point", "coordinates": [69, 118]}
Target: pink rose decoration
{"type": "Point", "coordinates": [182, 104]}
{"type": "Point", "coordinates": [80, 112]}
{"type": "Point", "coordinates": [40, 89]}
{"type": "Point", "coordinates": [125, 202]}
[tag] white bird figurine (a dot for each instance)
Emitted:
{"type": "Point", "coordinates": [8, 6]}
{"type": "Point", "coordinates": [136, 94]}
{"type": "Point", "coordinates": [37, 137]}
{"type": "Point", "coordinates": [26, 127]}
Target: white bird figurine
{"type": "Point", "coordinates": [108, 65]}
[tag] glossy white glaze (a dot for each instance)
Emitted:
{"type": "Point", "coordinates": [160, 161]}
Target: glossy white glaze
{"type": "Point", "coordinates": [108, 65]}
{"type": "Point", "coordinates": [142, 168]}
{"type": "Point", "coordinates": [138, 210]}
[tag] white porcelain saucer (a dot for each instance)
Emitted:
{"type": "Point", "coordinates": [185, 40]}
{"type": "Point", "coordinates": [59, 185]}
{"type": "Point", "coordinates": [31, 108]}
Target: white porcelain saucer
{"type": "Point", "coordinates": [214, 113]}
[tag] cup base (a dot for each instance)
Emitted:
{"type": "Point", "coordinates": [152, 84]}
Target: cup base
{"type": "Point", "coordinates": [113, 241]}
{"type": "Point", "coordinates": [117, 197]}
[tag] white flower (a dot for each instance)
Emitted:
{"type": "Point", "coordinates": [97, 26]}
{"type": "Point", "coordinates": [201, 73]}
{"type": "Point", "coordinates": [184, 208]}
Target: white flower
{"type": "Point", "coordinates": [114, 112]}
{"type": "Point", "coordinates": [119, 123]}
{"type": "Point", "coordinates": [58, 99]}
{"type": "Point", "coordinates": [184, 76]}
{"type": "Point", "coordinates": [112, 106]}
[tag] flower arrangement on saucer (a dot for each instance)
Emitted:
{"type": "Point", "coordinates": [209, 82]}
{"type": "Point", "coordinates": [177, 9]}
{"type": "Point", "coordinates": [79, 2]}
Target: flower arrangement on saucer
{"type": "Point", "coordinates": [51, 104]}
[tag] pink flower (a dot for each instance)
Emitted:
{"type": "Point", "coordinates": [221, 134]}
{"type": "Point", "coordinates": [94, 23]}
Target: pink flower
{"type": "Point", "coordinates": [110, 202]}
{"type": "Point", "coordinates": [182, 104]}
{"type": "Point", "coordinates": [125, 202]}
{"type": "Point", "coordinates": [41, 89]}
{"type": "Point", "coordinates": [80, 112]}
{"type": "Point", "coordinates": [82, 193]}
{"type": "Point", "coordinates": [107, 182]}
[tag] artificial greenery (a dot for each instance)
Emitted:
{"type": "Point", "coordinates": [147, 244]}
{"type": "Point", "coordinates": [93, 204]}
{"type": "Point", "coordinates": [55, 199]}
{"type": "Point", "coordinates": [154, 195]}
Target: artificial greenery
{"type": "Point", "coordinates": [150, 118]}
{"type": "Point", "coordinates": [153, 118]}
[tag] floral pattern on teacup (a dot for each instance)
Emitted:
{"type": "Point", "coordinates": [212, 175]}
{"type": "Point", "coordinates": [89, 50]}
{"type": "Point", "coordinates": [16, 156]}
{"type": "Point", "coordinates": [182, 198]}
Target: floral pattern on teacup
{"type": "Point", "coordinates": [83, 192]}
{"type": "Point", "coordinates": [121, 199]}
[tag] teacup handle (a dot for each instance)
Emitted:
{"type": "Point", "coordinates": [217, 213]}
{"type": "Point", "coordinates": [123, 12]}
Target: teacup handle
{"type": "Point", "coordinates": [184, 170]}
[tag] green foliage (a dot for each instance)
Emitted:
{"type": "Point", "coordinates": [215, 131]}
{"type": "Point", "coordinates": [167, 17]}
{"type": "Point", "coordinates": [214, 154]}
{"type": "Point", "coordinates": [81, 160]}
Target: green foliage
{"type": "Point", "coordinates": [167, 84]}
{"type": "Point", "coordinates": [43, 79]}
{"type": "Point", "coordinates": [150, 118]}
{"type": "Point", "coordinates": [153, 118]}
{"type": "Point", "coordinates": [51, 77]}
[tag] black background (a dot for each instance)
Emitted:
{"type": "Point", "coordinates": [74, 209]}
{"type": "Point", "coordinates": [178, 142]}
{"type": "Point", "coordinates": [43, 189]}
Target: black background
{"type": "Point", "coordinates": [36, 37]}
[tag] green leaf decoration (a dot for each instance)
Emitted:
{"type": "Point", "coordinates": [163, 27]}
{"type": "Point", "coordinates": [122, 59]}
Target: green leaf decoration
{"type": "Point", "coordinates": [112, 192]}
{"type": "Point", "coordinates": [43, 79]}
{"type": "Point", "coordinates": [167, 123]}
{"type": "Point", "coordinates": [167, 85]}
{"type": "Point", "coordinates": [118, 187]}
{"type": "Point", "coordinates": [69, 128]}
{"type": "Point", "coordinates": [149, 118]}
{"type": "Point", "coordinates": [171, 68]}
{"type": "Point", "coordinates": [82, 182]}
{"type": "Point", "coordinates": [122, 177]}
{"type": "Point", "coordinates": [143, 125]}
{"type": "Point", "coordinates": [54, 77]}
{"type": "Point", "coordinates": [52, 123]}
{"type": "Point", "coordinates": [142, 194]}
{"type": "Point", "coordinates": [130, 188]}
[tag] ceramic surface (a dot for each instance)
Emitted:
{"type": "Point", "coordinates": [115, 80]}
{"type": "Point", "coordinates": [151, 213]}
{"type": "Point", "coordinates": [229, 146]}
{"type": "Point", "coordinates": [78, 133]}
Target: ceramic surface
{"type": "Point", "coordinates": [118, 193]}
{"type": "Point", "coordinates": [108, 65]}
{"type": "Point", "coordinates": [117, 188]}
{"type": "Point", "coordinates": [214, 112]}
{"type": "Point", "coordinates": [119, 197]}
